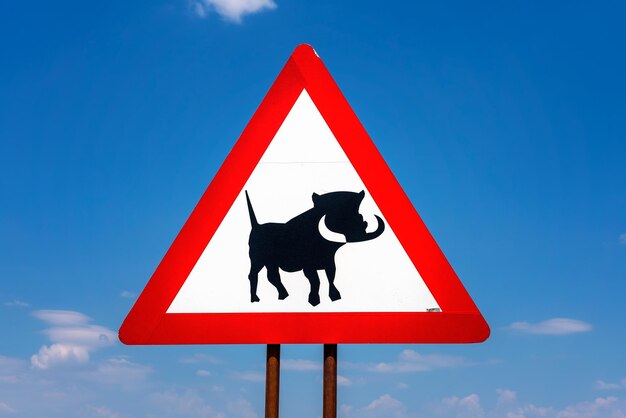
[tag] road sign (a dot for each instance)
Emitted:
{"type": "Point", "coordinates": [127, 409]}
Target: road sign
{"type": "Point", "coordinates": [304, 236]}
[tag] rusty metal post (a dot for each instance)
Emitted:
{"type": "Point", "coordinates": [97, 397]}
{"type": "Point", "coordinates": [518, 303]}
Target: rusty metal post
{"type": "Point", "coordinates": [272, 380]}
{"type": "Point", "coordinates": [330, 381]}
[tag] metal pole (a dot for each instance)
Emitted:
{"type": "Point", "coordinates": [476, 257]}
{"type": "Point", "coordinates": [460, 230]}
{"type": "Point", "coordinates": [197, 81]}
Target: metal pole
{"type": "Point", "coordinates": [330, 381]}
{"type": "Point", "coordinates": [272, 380]}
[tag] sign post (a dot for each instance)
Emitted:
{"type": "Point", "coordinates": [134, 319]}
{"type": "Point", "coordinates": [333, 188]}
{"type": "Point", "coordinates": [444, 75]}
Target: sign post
{"type": "Point", "coordinates": [329, 409]}
{"type": "Point", "coordinates": [304, 236]}
{"type": "Point", "coordinates": [272, 380]}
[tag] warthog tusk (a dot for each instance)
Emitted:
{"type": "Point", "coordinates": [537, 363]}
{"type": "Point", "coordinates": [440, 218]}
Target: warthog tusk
{"type": "Point", "coordinates": [329, 235]}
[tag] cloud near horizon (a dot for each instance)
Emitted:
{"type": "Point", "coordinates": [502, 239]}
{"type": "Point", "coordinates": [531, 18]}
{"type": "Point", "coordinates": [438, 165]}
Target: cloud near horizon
{"type": "Point", "coordinates": [17, 303]}
{"type": "Point", "coordinates": [602, 385]}
{"type": "Point", "coordinates": [471, 406]}
{"type": "Point", "coordinates": [407, 361]}
{"type": "Point", "coordinates": [555, 326]}
{"type": "Point", "coordinates": [410, 361]}
{"type": "Point", "coordinates": [70, 392]}
{"type": "Point", "coordinates": [199, 358]}
{"type": "Point", "coordinates": [72, 337]}
{"type": "Point", "coordinates": [300, 365]}
{"type": "Point", "coordinates": [6, 409]}
{"type": "Point", "coordinates": [248, 376]}
{"type": "Point", "coordinates": [386, 406]}
{"type": "Point", "coordinates": [230, 10]}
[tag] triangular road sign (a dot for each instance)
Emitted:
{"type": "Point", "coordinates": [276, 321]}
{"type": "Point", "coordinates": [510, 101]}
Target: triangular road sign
{"type": "Point", "coordinates": [277, 250]}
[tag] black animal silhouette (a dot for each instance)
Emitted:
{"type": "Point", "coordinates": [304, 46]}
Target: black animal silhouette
{"type": "Point", "coordinates": [299, 245]}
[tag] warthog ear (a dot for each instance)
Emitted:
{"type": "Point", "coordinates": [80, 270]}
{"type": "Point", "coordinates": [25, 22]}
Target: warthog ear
{"type": "Point", "coordinates": [361, 195]}
{"type": "Point", "coordinates": [315, 198]}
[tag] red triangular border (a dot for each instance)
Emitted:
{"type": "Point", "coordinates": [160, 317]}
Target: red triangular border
{"type": "Point", "coordinates": [459, 322]}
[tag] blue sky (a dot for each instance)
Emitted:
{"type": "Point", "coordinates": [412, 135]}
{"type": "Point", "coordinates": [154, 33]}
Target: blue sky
{"type": "Point", "coordinates": [504, 122]}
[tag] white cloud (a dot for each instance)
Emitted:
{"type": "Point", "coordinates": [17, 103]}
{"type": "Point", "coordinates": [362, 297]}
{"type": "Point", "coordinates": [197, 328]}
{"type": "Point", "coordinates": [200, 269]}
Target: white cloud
{"type": "Point", "coordinates": [300, 365]}
{"type": "Point", "coordinates": [199, 358]}
{"type": "Point", "coordinates": [10, 363]}
{"type": "Point", "coordinates": [610, 407]}
{"type": "Point", "coordinates": [103, 411]}
{"type": "Point", "coordinates": [203, 373]}
{"type": "Point", "coordinates": [11, 369]}
{"type": "Point", "coordinates": [72, 337]}
{"type": "Point", "coordinates": [49, 356]}
{"type": "Point", "coordinates": [466, 407]}
{"type": "Point", "coordinates": [555, 326]}
{"type": "Point", "coordinates": [127, 294]}
{"type": "Point", "coordinates": [231, 10]}
{"type": "Point", "coordinates": [622, 238]}
{"type": "Point", "coordinates": [384, 401]}
{"type": "Point", "coordinates": [345, 410]}
{"type": "Point", "coordinates": [242, 408]}
{"type": "Point", "coordinates": [470, 407]}
{"type": "Point", "coordinates": [118, 371]}
{"type": "Point", "coordinates": [602, 385]}
{"type": "Point", "coordinates": [89, 336]}
{"type": "Point", "coordinates": [506, 396]}
{"type": "Point", "coordinates": [12, 379]}
{"type": "Point", "coordinates": [17, 303]}
{"type": "Point", "coordinates": [385, 406]}
{"type": "Point", "coordinates": [507, 406]}
{"type": "Point", "coordinates": [61, 317]}
{"type": "Point", "coordinates": [249, 376]}
{"type": "Point", "coordinates": [410, 361]}
{"type": "Point", "coordinates": [96, 389]}
{"type": "Point", "coordinates": [343, 381]}
{"type": "Point", "coordinates": [6, 409]}
{"type": "Point", "coordinates": [188, 404]}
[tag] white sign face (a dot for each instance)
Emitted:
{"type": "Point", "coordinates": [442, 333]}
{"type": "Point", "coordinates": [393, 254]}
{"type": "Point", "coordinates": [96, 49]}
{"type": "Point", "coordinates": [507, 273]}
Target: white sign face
{"type": "Point", "coordinates": [372, 275]}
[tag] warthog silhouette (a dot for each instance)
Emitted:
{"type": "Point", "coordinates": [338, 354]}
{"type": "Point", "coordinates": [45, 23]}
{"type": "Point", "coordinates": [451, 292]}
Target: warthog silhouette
{"type": "Point", "coordinates": [306, 242]}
